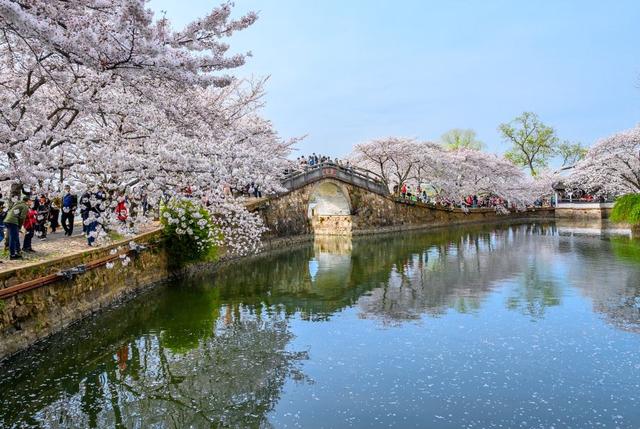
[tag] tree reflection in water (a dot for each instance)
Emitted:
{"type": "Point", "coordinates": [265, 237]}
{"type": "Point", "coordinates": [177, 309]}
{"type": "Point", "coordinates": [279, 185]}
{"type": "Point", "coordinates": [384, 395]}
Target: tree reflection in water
{"type": "Point", "coordinates": [609, 274]}
{"type": "Point", "coordinates": [459, 269]}
{"type": "Point", "coordinates": [173, 358]}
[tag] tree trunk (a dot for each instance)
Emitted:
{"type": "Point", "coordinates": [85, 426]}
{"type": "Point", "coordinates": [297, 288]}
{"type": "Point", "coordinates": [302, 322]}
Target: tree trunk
{"type": "Point", "coordinates": [16, 190]}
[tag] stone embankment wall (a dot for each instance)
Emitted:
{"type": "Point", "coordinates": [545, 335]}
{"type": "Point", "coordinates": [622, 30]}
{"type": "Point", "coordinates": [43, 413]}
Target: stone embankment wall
{"type": "Point", "coordinates": [370, 213]}
{"type": "Point", "coordinates": [373, 213]}
{"type": "Point", "coordinates": [29, 316]}
{"type": "Point", "coordinates": [583, 211]}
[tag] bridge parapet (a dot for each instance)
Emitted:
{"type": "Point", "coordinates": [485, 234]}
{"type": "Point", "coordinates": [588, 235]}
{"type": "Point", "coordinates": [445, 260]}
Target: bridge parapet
{"type": "Point", "coordinates": [329, 170]}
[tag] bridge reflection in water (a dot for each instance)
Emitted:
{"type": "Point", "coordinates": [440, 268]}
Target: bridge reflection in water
{"type": "Point", "coordinates": [219, 350]}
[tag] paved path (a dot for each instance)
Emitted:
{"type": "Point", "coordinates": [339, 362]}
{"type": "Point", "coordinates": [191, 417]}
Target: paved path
{"type": "Point", "coordinates": [56, 245]}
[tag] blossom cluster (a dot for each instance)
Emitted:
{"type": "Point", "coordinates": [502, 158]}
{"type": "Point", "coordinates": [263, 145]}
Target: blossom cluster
{"type": "Point", "coordinates": [452, 174]}
{"type": "Point", "coordinates": [611, 167]}
{"type": "Point", "coordinates": [101, 93]}
{"type": "Point", "coordinates": [189, 227]}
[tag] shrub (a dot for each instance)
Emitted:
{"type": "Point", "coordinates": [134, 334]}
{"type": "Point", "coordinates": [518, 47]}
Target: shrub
{"type": "Point", "coordinates": [627, 209]}
{"type": "Point", "coordinates": [189, 231]}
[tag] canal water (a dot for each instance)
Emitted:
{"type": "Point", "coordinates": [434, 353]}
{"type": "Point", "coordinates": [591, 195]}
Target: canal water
{"type": "Point", "coordinates": [518, 326]}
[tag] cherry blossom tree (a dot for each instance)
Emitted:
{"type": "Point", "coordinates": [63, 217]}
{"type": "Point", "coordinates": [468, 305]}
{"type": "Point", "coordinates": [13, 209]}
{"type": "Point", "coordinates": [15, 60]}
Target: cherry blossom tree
{"type": "Point", "coordinates": [611, 166]}
{"type": "Point", "coordinates": [82, 62]}
{"type": "Point", "coordinates": [476, 172]}
{"type": "Point", "coordinates": [453, 174]}
{"type": "Point", "coordinates": [99, 93]}
{"type": "Point", "coordinates": [393, 159]}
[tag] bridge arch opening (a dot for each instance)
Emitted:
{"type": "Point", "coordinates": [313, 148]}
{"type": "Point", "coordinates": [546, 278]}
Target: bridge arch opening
{"type": "Point", "coordinates": [328, 199]}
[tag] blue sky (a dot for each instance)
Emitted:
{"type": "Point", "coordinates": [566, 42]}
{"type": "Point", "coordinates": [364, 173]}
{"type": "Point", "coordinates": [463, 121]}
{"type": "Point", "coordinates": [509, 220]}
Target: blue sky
{"type": "Point", "coordinates": [345, 71]}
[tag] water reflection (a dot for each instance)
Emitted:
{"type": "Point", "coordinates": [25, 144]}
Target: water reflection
{"type": "Point", "coordinates": [456, 271]}
{"type": "Point", "coordinates": [217, 352]}
{"type": "Point", "coordinates": [175, 358]}
{"type": "Point", "coordinates": [608, 272]}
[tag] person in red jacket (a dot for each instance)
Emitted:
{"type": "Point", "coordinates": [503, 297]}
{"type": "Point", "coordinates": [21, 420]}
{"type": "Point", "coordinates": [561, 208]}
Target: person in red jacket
{"type": "Point", "coordinates": [122, 212]}
{"type": "Point", "coordinates": [30, 223]}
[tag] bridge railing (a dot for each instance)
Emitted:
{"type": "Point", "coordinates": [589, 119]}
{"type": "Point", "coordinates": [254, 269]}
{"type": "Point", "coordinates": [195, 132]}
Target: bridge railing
{"type": "Point", "coordinates": [354, 175]}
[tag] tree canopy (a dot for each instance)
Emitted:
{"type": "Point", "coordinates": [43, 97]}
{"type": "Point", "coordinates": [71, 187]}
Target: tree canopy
{"type": "Point", "coordinates": [571, 153]}
{"type": "Point", "coordinates": [454, 174]}
{"type": "Point", "coordinates": [457, 138]}
{"type": "Point", "coordinates": [103, 93]}
{"type": "Point", "coordinates": [532, 142]}
{"type": "Point", "coordinates": [611, 166]}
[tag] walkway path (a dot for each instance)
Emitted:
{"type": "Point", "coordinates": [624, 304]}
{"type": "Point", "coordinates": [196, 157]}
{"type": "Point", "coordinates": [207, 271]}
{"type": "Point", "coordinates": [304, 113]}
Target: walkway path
{"type": "Point", "coordinates": [56, 245]}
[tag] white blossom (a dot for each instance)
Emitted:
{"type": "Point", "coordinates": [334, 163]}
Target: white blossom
{"type": "Point", "coordinates": [107, 95]}
{"type": "Point", "coordinates": [611, 166]}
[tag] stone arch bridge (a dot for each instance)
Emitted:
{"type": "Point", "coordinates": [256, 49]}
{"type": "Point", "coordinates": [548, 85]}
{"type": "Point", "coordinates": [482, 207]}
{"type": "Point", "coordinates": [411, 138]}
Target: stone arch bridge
{"type": "Point", "coordinates": [330, 199]}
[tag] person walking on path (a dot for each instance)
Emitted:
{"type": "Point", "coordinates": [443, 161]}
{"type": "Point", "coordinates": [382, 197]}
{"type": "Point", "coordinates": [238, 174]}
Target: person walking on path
{"type": "Point", "coordinates": [31, 223]}
{"type": "Point", "coordinates": [42, 216]}
{"type": "Point", "coordinates": [3, 214]}
{"type": "Point", "coordinates": [16, 216]}
{"type": "Point", "coordinates": [69, 206]}
{"type": "Point", "coordinates": [85, 206]}
{"type": "Point", "coordinates": [122, 212]}
{"type": "Point", "coordinates": [54, 214]}
{"type": "Point", "coordinates": [96, 208]}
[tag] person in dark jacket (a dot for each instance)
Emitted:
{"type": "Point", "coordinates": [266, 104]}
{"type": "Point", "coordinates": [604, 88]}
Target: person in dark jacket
{"type": "Point", "coordinates": [13, 221]}
{"type": "Point", "coordinates": [85, 206]}
{"type": "Point", "coordinates": [97, 206]}
{"type": "Point", "coordinates": [54, 214]}
{"type": "Point", "coordinates": [42, 217]}
{"type": "Point", "coordinates": [69, 206]}
{"type": "Point", "coordinates": [3, 214]}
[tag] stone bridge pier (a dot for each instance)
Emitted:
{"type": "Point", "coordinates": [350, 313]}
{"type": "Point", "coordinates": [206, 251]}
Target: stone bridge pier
{"type": "Point", "coordinates": [329, 209]}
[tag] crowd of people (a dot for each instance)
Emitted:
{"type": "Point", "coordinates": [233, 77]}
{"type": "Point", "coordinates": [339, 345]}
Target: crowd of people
{"type": "Point", "coordinates": [305, 162]}
{"type": "Point", "coordinates": [37, 215]}
{"type": "Point", "coordinates": [419, 194]}
{"type": "Point", "coordinates": [252, 189]}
